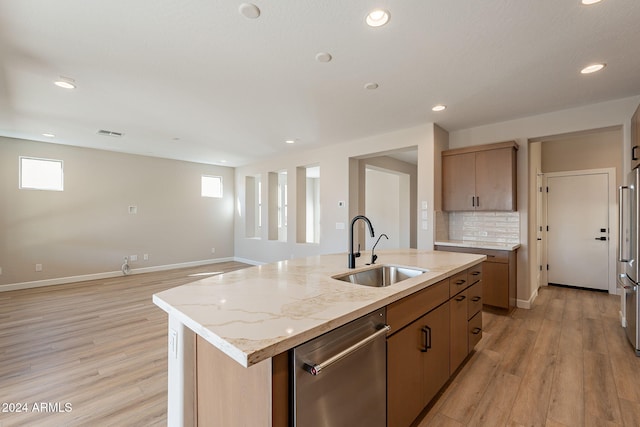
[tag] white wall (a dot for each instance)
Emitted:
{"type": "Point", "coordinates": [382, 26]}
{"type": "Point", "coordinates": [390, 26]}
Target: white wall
{"type": "Point", "coordinates": [594, 116]}
{"type": "Point", "coordinates": [334, 187]}
{"type": "Point", "coordinates": [387, 206]}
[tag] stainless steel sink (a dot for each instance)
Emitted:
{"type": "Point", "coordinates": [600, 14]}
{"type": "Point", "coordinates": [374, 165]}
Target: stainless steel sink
{"type": "Point", "coordinates": [382, 275]}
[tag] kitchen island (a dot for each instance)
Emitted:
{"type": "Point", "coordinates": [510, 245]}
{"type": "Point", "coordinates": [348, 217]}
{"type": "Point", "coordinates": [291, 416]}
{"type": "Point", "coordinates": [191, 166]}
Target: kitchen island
{"type": "Point", "coordinates": [247, 319]}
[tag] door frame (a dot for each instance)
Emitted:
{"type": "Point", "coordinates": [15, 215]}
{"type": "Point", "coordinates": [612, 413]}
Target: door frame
{"type": "Point", "coordinates": [612, 225]}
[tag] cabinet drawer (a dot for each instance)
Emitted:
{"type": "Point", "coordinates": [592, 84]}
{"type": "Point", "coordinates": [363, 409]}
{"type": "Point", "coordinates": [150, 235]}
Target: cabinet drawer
{"type": "Point", "coordinates": [475, 330]}
{"type": "Point", "coordinates": [496, 256]}
{"type": "Point", "coordinates": [475, 273]}
{"type": "Point", "coordinates": [474, 295]}
{"type": "Point", "coordinates": [408, 309]}
{"type": "Point", "coordinates": [458, 283]}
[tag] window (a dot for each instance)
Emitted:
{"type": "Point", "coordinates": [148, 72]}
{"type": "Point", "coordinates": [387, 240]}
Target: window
{"type": "Point", "coordinates": [308, 204]}
{"type": "Point", "coordinates": [41, 174]}
{"type": "Point", "coordinates": [282, 206]}
{"type": "Point", "coordinates": [211, 186]}
{"type": "Point", "coordinates": [253, 203]}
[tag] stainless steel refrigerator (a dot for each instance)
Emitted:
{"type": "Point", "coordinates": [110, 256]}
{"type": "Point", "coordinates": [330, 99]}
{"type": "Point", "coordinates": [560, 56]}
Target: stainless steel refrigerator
{"type": "Point", "coordinates": [628, 253]}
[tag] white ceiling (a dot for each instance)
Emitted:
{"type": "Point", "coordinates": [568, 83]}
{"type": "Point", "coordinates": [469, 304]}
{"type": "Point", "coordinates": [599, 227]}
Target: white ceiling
{"type": "Point", "coordinates": [195, 80]}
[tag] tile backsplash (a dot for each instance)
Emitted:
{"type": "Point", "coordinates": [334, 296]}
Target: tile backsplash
{"type": "Point", "coordinates": [493, 227]}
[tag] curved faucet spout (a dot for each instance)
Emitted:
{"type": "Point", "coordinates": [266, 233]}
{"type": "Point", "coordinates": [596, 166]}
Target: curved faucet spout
{"type": "Point", "coordinates": [374, 257]}
{"type": "Point", "coordinates": [353, 256]}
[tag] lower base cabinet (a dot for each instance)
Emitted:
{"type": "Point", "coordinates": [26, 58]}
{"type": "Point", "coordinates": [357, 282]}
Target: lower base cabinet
{"type": "Point", "coordinates": [417, 365]}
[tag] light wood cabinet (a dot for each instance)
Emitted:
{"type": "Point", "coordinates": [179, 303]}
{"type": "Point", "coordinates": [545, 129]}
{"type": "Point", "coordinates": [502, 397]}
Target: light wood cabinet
{"type": "Point", "coordinates": [417, 365]}
{"type": "Point", "coordinates": [422, 348]}
{"type": "Point", "coordinates": [459, 327]}
{"type": "Point", "coordinates": [499, 275]}
{"type": "Point", "coordinates": [466, 302]}
{"type": "Point", "coordinates": [635, 139]}
{"type": "Point", "coordinates": [480, 178]}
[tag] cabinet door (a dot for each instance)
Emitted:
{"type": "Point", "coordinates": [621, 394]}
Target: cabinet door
{"type": "Point", "coordinates": [404, 375]}
{"type": "Point", "coordinates": [458, 182]}
{"type": "Point", "coordinates": [459, 327]}
{"type": "Point", "coordinates": [436, 359]}
{"type": "Point", "coordinates": [495, 284]}
{"type": "Point", "coordinates": [495, 180]}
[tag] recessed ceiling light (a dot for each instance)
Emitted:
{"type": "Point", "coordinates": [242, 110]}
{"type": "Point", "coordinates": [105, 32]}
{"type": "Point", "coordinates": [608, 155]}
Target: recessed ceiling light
{"type": "Point", "coordinates": [65, 83]}
{"type": "Point", "coordinates": [290, 141]}
{"type": "Point", "coordinates": [49, 135]}
{"type": "Point", "coordinates": [371, 86]}
{"type": "Point", "coordinates": [249, 10]}
{"type": "Point", "coordinates": [377, 18]}
{"type": "Point", "coordinates": [323, 57]}
{"type": "Point", "coordinates": [439, 107]}
{"type": "Point", "coordinates": [588, 2]}
{"type": "Point", "coordinates": [592, 68]}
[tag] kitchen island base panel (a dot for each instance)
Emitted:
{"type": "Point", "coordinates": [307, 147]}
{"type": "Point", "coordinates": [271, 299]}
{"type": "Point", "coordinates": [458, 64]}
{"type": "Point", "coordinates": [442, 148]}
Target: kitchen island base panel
{"type": "Point", "coordinates": [181, 374]}
{"type": "Point", "coordinates": [229, 394]}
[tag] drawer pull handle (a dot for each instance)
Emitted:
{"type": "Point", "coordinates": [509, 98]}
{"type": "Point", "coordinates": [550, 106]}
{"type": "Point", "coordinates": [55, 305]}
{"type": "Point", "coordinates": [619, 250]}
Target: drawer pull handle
{"type": "Point", "coordinates": [427, 338]}
{"type": "Point", "coordinates": [460, 298]}
{"type": "Point", "coordinates": [476, 299]}
{"type": "Point", "coordinates": [460, 282]}
{"type": "Point", "coordinates": [475, 273]}
{"type": "Point", "coordinates": [476, 331]}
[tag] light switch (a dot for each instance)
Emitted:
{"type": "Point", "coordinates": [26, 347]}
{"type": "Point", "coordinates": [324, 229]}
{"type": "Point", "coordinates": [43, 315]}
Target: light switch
{"type": "Point", "coordinates": [425, 225]}
{"type": "Point", "coordinates": [425, 214]}
{"type": "Point", "coordinates": [424, 204]}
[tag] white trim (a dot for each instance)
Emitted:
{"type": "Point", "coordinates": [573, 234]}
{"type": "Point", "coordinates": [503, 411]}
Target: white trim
{"type": "Point", "coordinates": [523, 303]}
{"type": "Point", "coordinates": [110, 274]}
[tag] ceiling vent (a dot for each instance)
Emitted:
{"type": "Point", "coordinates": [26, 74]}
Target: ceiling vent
{"type": "Point", "coordinates": [110, 133]}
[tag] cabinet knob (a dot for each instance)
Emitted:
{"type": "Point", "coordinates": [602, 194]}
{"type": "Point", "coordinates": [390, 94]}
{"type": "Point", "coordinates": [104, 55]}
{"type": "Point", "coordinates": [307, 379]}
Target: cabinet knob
{"type": "Point", "coordinates": [476, 299]}
{"type": "Point", "coordinates": [460, 298]}
{"type": "Point", "coordinates": [460, 282]}
{"type": "Point", "coordinates": [476, 331]}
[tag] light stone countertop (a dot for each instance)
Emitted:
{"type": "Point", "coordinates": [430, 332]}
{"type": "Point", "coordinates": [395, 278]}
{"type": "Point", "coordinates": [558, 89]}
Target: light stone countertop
{"type": "Point", "coordinates": [256, 313]}
{"type": "Point", "coordinates": [479, 245]}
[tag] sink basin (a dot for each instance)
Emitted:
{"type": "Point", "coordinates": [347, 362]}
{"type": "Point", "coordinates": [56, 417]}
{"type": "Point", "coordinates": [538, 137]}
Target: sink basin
{"type": "Point", "coordinates": [383, 275]}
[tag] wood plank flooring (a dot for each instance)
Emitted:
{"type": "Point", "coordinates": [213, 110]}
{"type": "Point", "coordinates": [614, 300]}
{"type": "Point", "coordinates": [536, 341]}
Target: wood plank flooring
{"type": "Point", "coordinates": [566, 362]}
{"type": "Point", "coordinates": [102, 347]}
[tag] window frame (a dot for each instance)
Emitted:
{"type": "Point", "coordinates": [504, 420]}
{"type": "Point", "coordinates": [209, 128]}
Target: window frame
{"type": "Point", "coordinates": [202, 178]}
{"type": "Point", "coordinates": [21, 186]}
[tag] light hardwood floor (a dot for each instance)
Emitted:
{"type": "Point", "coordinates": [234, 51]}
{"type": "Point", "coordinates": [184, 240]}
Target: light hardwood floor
{"type": "Point", "coordinates": [102, 347]}
{"type": "Point", "coordinates": [99, 345]}
{"type": "Point", "coordinates": [565, 362]}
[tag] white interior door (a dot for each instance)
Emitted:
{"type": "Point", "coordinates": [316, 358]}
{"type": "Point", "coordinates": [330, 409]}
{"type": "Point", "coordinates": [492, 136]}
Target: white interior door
{"type": "Point", "coordinates": [578, 235]}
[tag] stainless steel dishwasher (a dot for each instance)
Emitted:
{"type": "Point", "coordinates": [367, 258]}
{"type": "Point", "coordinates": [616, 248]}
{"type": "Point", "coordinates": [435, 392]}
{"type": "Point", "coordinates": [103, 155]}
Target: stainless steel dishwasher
{"type": "Point", "coordinates": [340, 378]}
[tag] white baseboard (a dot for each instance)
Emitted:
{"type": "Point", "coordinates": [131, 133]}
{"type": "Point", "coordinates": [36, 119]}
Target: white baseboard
{"type": "Point", "coordinates": [110, 274]}
{"type": "Point", "coordinates": [527, 303]}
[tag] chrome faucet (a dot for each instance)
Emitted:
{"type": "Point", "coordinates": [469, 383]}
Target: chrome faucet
{"type": "Point", "coordinates": [353, 256]}
{"type": "Point", "coordinates": [373, 256]}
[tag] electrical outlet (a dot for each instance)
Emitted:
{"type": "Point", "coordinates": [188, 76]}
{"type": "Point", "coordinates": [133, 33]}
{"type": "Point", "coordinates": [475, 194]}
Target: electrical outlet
{"type": "Point", "coordinates": [145, 257]}
{"type": "Point", "coordinates": [213, 250]}
{"type": "Point", "coordinates": [38, 267]}
{"type": "Point", "coordinates": [133, 258]}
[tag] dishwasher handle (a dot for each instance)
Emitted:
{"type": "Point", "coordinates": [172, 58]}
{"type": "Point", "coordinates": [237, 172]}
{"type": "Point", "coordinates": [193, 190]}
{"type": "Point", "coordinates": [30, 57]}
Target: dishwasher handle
{"type": "Point", "coordinates": [316, 368]}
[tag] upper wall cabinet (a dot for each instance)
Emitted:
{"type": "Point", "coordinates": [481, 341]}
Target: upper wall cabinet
{"type": "Point", "coordinates": [635, 139]}
{"type": "Point", "coordinates": [480, 178]}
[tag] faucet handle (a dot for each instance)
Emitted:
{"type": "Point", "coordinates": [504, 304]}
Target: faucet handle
{"type": "Point", "coordinates": [357, 254]}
